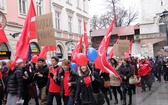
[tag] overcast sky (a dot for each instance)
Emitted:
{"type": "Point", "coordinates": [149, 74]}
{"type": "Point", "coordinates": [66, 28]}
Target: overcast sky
{"type": "Point", "coordinates": [97, 7]}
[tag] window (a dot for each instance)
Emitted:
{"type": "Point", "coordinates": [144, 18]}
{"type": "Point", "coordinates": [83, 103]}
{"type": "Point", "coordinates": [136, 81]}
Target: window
{"type": "Point", "coordinates": [22, 7]}
{"type": "Point", "coordinates": [2, 4]}
{"type": "Point", "coordinates": [3, 47]}
{"type": "Point", "coordinates": [70, 48]}
{"type": "Point", "coordinates": [78, 3]}
{"type": "Point", "coordinates": [69, 23]}
{"type": "Point", "coordinates": [69, 1]}
{"type": "Point", "coordinates": [39, 7]}
{"type": "Point", "coordinates": [57, 20]}
{"type": "Point", "coordinates": [79, 26]}
{"type": "Point", "coordinates": [84, 5]}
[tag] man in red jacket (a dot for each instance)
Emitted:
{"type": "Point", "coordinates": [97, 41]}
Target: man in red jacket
{"type": "Point", "coordinates": [144, 71]}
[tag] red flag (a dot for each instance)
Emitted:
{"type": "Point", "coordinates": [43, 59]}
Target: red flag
{"type": "Point", "coordinates": [43, 52]}
{"type": "Point", "coordinates": [3, 37]}
{"type": "Point", "coordinates": [45, 49]}
{"type": "Point", "coordinates": [77, 49]}
{"type": "Point", "coordinates": [22, 46]}
{"type": "Point", "coordinates": [101, 62]}
{"type": "Point", "coordinates": [85, 37]}
{"type": "Point", "coordinates": [51, 48]}
{"type": "Point", "coordinates": [111, 53]}
{"type": "Point", "coordinates": [1, 75]}
{"type": "Point", "coordinates": [130, 47]}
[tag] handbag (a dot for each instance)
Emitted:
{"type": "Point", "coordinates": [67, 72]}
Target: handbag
{"type": "Point", "coordinates": [98, 98]}
{"type": "Point", "coordinates": [133, 79]}
{"type": "Point", "coordinates": [32, 90]}
{"type": "Point", "coordinates": [106, 84]}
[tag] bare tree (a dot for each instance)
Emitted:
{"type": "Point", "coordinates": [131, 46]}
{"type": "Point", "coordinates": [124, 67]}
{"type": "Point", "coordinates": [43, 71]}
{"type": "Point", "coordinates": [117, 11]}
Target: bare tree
{"type": "Point", "coordinates": [114, 9]}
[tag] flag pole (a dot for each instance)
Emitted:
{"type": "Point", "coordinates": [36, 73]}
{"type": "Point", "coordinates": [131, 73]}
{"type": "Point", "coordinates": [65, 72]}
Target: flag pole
{"type": "Point", "coordinates": [2, 82]}
{"type": "Point", "coordinates": [49, 52]}
{"type": "Point", "coordinates": [46, 54]}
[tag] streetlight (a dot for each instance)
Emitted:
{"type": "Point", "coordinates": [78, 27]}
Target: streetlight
{"type": "Point", "coordinates": [90, 32]}
{"type": "Point", "coordinates": [164, 17]}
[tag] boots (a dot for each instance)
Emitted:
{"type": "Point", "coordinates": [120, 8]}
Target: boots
{"type": "Point", "coordinates": [121, 97]}
{"type": "Point", "coordinates": [116, 101]}
{"type": "Point", "coordinates": [130, 101]}
{"type": "Point", "coordinates": [124, 102]}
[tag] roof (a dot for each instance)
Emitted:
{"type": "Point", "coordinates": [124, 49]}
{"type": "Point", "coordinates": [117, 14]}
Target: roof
{"type": "Point", "coordinates": [120, 31]}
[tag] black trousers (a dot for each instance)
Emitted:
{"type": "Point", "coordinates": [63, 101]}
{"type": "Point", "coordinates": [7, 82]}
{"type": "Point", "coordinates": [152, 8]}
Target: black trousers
{"type": "Point", "coordinates": [115, 89]}
{"type": "Point", "coordinates": [146, 80]}
{"type": "Point", "coordinates": [65, 99]}
{"type": "Point", "coordinates": [50, 97]}
{"type": "Point", "coordinates": [105, 94]}
{"type": "Point", "coordinates": [126, 87]}
{"type": "Point", "coordinates": [1, 94]}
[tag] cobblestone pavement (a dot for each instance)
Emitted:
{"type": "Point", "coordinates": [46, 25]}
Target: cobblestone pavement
{"type": "Point", "coordinates": [157, 96]}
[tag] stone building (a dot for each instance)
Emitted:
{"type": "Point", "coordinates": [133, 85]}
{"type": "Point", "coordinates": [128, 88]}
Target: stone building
{"type": "Point", "coordinates": [152, 29]}
{"type": "Point", "coordinates": [150, 36]}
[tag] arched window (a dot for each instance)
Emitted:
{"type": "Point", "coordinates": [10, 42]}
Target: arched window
{"type": "Point", "coordinates": [162, 24]}
{"type": "Point", "coordinates": [3, 47]}
{"type": "Point", "coordinates": [59, 51]}
{"type": "Point", "coordinates": [70, 48]}
{"type": "Point", "coordinates": [34, 48]}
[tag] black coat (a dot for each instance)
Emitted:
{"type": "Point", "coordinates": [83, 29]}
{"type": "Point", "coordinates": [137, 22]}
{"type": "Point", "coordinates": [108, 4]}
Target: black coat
{"type": "Point", "coordinates": [42, 81]}
{"type": "Point", "coordinates": [83, 93]}
{"type": "Point", "coordinates": [72, 79]}
{"type": "Point", "coordinates": [15, 82]}
{"type": "Point", "coordinates": [126, 70]}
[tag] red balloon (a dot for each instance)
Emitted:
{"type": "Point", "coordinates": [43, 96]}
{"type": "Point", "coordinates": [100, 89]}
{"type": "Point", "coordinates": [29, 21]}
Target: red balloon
{"type": "Point", "coordinates": [81, 59]}
{"type": "Point", "coordinates": [126, 55]}
{"type": "Point", "coordinates": [34, 58]}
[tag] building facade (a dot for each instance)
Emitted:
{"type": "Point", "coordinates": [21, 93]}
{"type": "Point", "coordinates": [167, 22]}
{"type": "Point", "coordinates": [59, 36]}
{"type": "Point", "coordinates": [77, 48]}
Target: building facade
{"type": "Point", "coordinates": [152, 29]}
{"type": "Point", "coordinates": [68, 16]}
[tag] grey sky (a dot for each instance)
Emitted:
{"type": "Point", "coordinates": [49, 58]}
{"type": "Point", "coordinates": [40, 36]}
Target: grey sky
{"type": "Point", "coordinates": [97, 7]}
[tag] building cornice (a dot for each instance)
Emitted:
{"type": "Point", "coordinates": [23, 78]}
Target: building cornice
{"type": "Point", "coordinates": [69, 10]}
{"type": "Point", "coordinates": [82, 16]}
{"type": "Point", "coordinates": [57, 5]}
{"type": "Point", "coordinates": [14, 24]}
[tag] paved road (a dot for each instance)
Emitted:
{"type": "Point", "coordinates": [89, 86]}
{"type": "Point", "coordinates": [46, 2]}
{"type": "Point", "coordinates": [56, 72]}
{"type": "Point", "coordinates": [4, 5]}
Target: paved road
{"type": "Point", "coordinates": [157, 96]}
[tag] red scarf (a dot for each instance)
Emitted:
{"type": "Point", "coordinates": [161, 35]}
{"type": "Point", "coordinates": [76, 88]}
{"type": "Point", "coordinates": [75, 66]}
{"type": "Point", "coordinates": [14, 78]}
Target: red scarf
{"type": "Point", "coordinates": [87, 80]}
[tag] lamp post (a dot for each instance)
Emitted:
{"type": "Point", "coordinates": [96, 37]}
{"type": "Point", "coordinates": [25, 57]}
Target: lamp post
{"type": "Point", "coordinates": [164, 17]}
{"type": "Point", "coordinates": [90, 34]}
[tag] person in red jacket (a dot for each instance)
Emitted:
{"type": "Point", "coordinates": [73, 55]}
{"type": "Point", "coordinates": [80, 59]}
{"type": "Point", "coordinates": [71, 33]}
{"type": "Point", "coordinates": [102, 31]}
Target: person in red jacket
{"type": "Point", "coordinates": [54, 87]}
{"type": "Point", "coordinates": [144, 71]}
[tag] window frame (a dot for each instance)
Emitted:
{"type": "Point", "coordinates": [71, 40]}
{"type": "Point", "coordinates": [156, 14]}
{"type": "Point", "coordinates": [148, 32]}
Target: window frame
{"type": "Point", "coordinates": [23, 8]}
{"type": "Point", "coordinates": [79, 26]}
{"type": "Point", "coordinates": [39, 7]}
{"type": "Point", "coordinates": [70, 23]}
{"type": "Point", "coordinates": [57, 20]}
{"type": "Point", "coordinates": [2, 4]}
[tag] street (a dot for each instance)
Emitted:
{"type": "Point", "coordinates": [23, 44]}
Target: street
{"type": "Point", "coordinates": [157, 96]}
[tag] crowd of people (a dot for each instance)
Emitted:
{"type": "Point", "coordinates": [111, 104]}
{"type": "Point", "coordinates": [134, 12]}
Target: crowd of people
{"type": "Point", "coordinates": [86, 85]}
